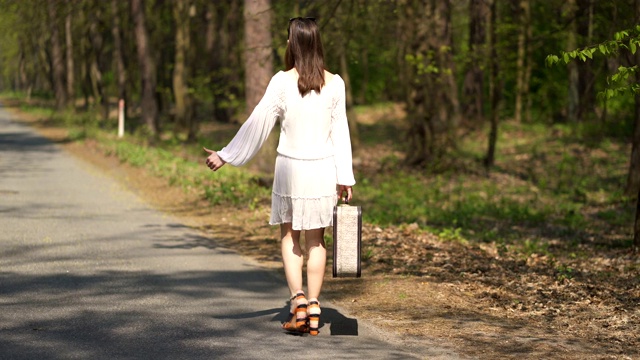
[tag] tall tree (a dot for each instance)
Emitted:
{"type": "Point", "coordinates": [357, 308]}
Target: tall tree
{"type": "Point", "coordinates": [473, 86]}
{"type": "Point", "coordinates": [96, 61]}
{"type": "Point", "coordinates": [494, 88]}
{"type": "Point", "coordinates": [180, 68]}
{"type": "Point", "coordinates": [433, 108]}
{"type": "Point", "coordinates": [69, 54]}
{"type": "Point", "coordinates": [586, 77]}
{"type": "Point", "coordinates": [522, 85]}
{"type": "Point", "coordinates": [118, 51]}
{"type": "Point", "coordinates": [57, 62]}
{"type": "Point", "coordinates": [258, 66]}
{"type": "Point", "coordinates": [225, 24]}
{"type": "Point", "coordinates": [258, 56]}
{"type": "Point", "coordinates": [347, 18]}
{"type": "Point", "coordinates": [572, 43]}
{"type": "Point", "coordinates": [149, 105]}
{"type": "Point", "coordinates": [633, 178]}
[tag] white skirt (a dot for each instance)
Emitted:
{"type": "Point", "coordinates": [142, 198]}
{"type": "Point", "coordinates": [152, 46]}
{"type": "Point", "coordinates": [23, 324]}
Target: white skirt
{"type": "Point", "coordinates": [304, 192]}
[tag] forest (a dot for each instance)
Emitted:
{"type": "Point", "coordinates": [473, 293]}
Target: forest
{"type": "Point", "coordinates": [457, 69]}
{"type": "Point", "coordinates": [506, 129]}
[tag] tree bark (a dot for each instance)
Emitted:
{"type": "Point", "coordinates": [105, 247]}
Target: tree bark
{"type": "Point", "coordinates": [586, 77]}
{"type": "Point", "coordinates": [258, 55]}
{"type": "Point", "coordinates": [419, 108]}
{"type": "Point", "coordinates": [57, 63]}
{"type": "Point", "coordinates": [636, 227]}
{"type": "Point", "coordinates": [433, 108]}
{"type": "Point", "coordinates": [96, 69]}
{"type": "Point", "coordinates": [213, 53]}
{"type": "Point", "coordinates": [118, 52]}
{"type": "Point", "coordinates": [447, 103]}
{"type": "Point", "coordinates": [352, 118]}
{"type": "Point", "coordinates": [149, 105]}
{"type": "Point", "coordinates": [69, 48]}
{"type": "Point", "coordinates": [528, 99]}
{"type": "Point", "coordinates": [341, 44]}
{"type": "Point", "coordinates": [225, 57]}
{"type": "Point", "coordinates": [494, 89]}
{"type": "Point", "coordinates": [522, 86]}
{"type": "Point", "coordinates": [473, 87]}
{"type": "Point", "coordinates": [633, 174]}
{"type": "Point", "coordinates": [258, 66]}
{"type": "Point", "coordinates": [180, 68]}
{"type": "Point", "coordinates": [572, 44]}
{"type": "Point", "coordinates": [633, 179]}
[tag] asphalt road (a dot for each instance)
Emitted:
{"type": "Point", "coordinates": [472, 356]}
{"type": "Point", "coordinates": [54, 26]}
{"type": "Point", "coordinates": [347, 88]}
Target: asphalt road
{"type": "Point", "coordinates": [89, 271]}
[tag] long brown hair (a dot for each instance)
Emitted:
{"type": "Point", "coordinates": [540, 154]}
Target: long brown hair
{"type": "Point", "coordinates": [304, 52]}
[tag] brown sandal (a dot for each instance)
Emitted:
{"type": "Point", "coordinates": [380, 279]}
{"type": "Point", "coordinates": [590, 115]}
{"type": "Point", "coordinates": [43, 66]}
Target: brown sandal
{"type": "Point", "coordinates": [297, 321]}
{"type": "Point", "coordinates": [314, 317]}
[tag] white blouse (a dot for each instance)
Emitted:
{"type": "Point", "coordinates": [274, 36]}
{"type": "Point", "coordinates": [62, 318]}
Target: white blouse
{"type": "Point", "coordinates": [313, 126]}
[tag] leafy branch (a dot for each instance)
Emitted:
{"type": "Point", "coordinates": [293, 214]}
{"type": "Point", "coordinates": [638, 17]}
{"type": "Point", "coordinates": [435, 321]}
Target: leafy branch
{"type": "Point", "coordinates": [618, 82]}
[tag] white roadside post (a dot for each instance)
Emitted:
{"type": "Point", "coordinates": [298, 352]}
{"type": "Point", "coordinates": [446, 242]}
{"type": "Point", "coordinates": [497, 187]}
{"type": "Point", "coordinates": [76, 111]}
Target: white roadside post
{"type": "Point", "coordinates": [121, 118]}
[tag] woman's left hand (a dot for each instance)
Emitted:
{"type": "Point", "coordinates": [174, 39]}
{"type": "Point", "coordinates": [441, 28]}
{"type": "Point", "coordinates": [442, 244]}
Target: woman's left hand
{"type": "Point", "coordinates": [214, 162]}
{"type": "Point", "coordinates": [345, 188]}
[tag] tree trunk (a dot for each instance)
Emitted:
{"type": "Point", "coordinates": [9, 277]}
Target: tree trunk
{"type": "Point", "coordinates": [528, 99]}
{"type": "Point", "coordinates": [149, 105]}
{"type": "Point", "coordinates": [473, 87]}
{"type": "Point", "coordinates": [633, 179]}
{"type": "Point", "coordinates": [636, 227]}
{"type": "Point", "coordinates": [448, 104]}
{"type": "Point", "coordinates": [365, 75]}
{"type": "Point", "coordinates": [522, 87]}
{"type": "Point", "coordinates": [352, 118]}
{"type": "Point", "coordinates": [258, 55]}
{"type": "Point", "coordinates": [95, 68]}
{"type": "Point", "coordinates": [180, 68]}
{"type": "Point", "coordinates": [419, 106]}
{"type": "Point", "coordinates": [572, 44]}
{"type": "Point", "coordinates": [57, 63]}
{"type": "Point", "coordinates": [118, 52]}
{"type": "Point", "coordinates": [70, 66]}
{"type": "Point", "coordinates": [213, 53]}
{"type": "Point", "coordinates": [85, 81]}
{"type": "Point", "coordinates": [633, 174]}
{"type": "Point", "coordinates": [494, 89]}
{"type": "Point", "coordinates": [586, 77]}
{"type": "Point", "coordinates": [258, 66]}
{"type": "Point", "coordinates": [225, 74]}
{"type": "Point", "coordinates": [433, 108]}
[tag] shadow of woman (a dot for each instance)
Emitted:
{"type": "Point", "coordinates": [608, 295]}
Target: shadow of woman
{"type": "Point", "coordinates": [339, 324]}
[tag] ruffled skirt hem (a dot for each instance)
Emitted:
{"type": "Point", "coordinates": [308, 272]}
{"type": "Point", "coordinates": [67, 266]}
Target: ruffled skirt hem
{"type": "Point", "coordinates": [302, 213]}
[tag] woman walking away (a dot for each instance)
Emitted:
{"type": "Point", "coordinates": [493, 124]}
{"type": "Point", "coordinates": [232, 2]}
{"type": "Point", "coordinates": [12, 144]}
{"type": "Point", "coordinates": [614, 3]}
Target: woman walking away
{"type": "Point", "coordinates": [313, 161]}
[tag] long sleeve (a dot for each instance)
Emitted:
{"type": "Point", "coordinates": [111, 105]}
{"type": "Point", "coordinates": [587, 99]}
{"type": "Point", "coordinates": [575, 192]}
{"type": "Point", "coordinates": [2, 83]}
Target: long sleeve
{"type": "Point", "coordinates": [341, 139]}
{"type": "Point", "coordinates": [254, 132]}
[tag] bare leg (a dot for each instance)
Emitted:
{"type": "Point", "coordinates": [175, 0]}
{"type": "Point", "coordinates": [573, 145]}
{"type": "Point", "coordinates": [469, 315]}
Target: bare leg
{"type": "Point", "coordinates": [317, 258]}
{"type": "Point", "coordinates": [291, 257]}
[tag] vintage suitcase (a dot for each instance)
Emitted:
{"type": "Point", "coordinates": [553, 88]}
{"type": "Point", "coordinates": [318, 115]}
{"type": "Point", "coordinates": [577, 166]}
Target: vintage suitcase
{"type": "Point", "coordinates": [347, 238]}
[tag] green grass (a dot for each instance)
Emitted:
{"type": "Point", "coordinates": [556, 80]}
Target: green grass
{"type": "Point", "coordinates": [547, 182]}
{"type": "Point", "coordinates": [232, 186]}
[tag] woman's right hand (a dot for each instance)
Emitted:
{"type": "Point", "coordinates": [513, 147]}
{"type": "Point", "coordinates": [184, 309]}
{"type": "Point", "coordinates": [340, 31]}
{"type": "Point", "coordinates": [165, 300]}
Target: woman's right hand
{"type": "Point", "coordinates": [345, 188]}
{"type": "Point", "coordinates": [214, 162]}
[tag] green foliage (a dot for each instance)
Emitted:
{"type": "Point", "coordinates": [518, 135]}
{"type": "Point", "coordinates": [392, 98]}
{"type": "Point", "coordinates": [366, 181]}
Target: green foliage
{"type": "Point", "coordinates": [564, 272]}
{"type": "Point", "coordinates": [628, 40]}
